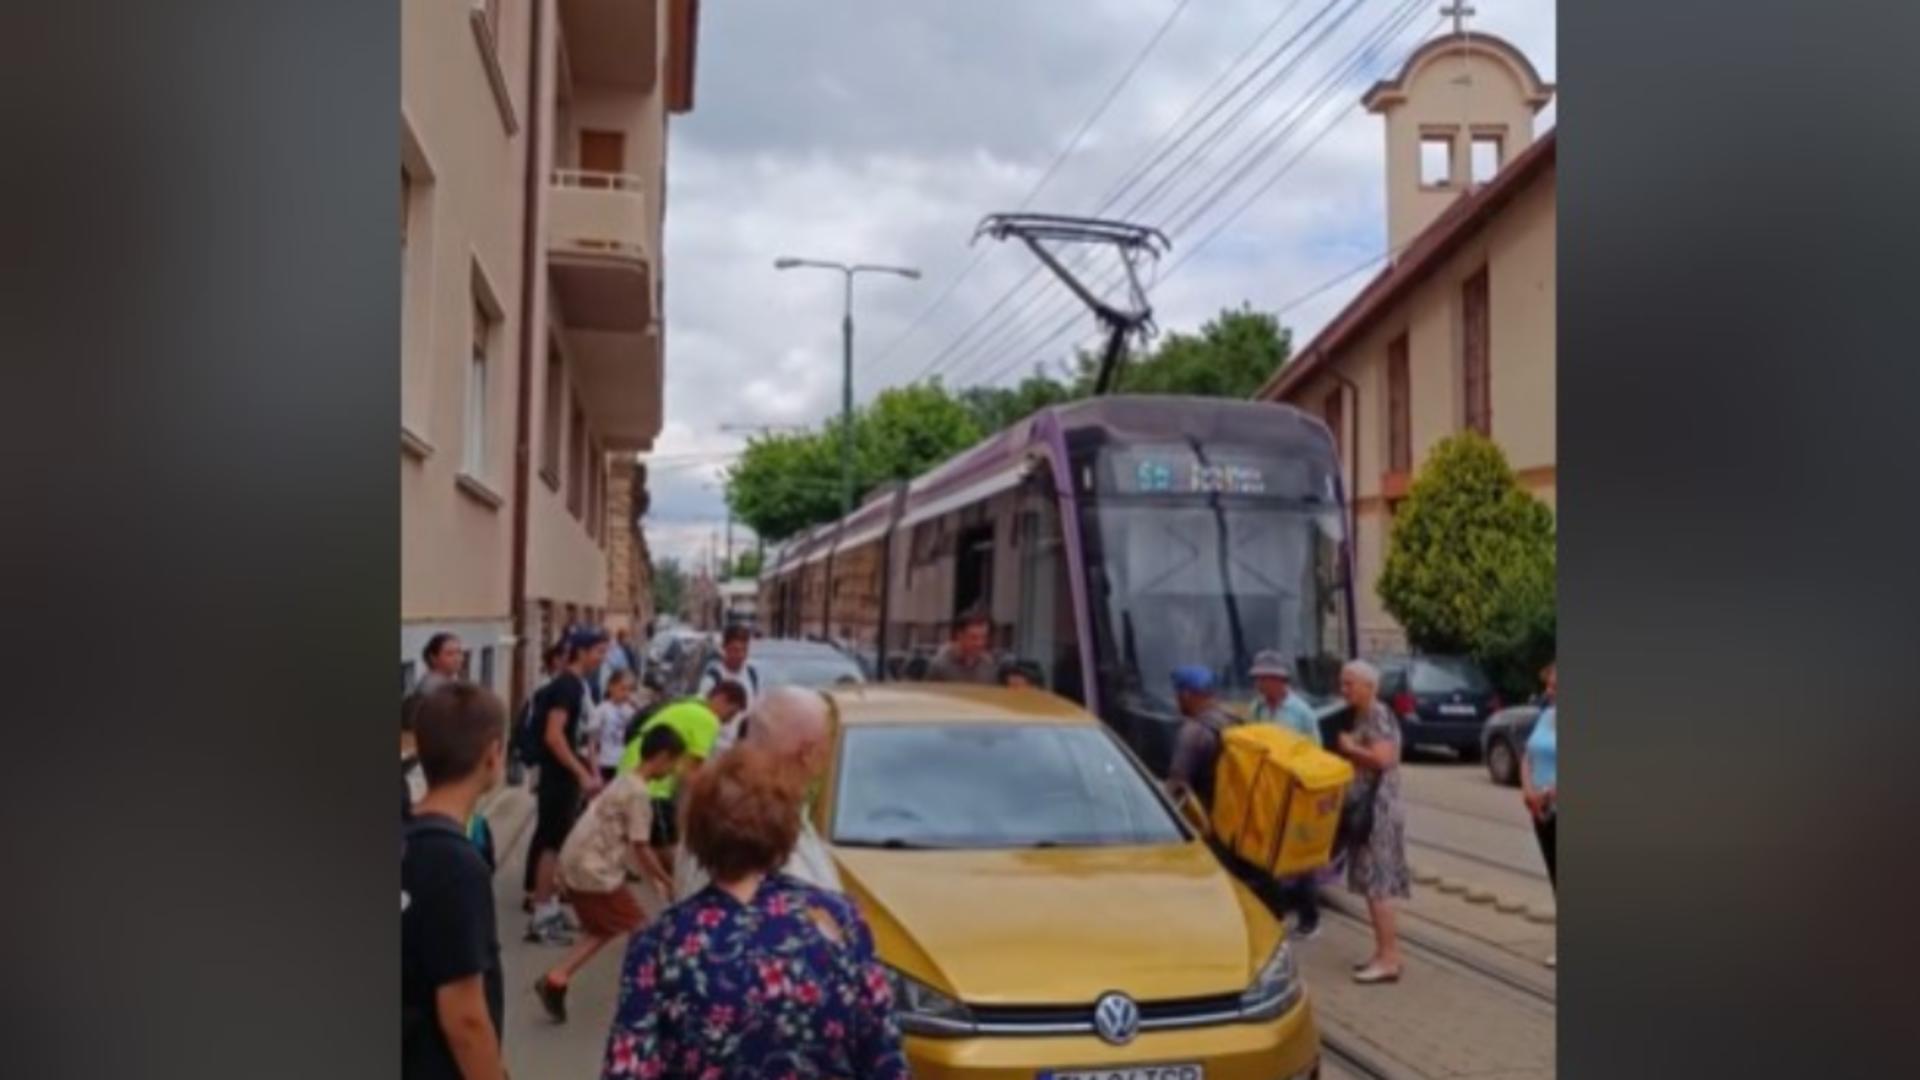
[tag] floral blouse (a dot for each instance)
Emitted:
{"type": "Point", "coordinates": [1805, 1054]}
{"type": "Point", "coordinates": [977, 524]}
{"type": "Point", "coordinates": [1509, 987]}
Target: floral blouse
{"type": "Point", "coordinates": [784, 988]}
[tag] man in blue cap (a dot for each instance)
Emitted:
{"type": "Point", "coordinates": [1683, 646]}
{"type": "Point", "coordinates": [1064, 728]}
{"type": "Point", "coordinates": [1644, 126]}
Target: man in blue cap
{"type": "Point", "coordinates": [1196, 746]}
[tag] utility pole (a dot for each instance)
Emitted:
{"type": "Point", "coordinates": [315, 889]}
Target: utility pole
{"type": "Point", "coordinates": [787, 262]}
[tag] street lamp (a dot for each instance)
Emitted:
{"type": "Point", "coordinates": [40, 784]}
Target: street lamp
{"type": "Point", "coordinates": [788, 262]}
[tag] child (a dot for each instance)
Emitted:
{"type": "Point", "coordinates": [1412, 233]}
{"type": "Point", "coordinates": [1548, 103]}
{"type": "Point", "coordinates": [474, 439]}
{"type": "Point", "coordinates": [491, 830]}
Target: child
{"type": "Point", "coordinates": [609, 723]}
{"type": "Point", "coordinates": [616, 827]}
{"type": "Point", "coordinates": [450, 987]}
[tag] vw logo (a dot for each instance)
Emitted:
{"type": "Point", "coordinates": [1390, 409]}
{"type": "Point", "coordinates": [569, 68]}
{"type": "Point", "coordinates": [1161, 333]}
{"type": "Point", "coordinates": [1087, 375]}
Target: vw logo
{"type": "Point", "coordinates": [1116, 1019]}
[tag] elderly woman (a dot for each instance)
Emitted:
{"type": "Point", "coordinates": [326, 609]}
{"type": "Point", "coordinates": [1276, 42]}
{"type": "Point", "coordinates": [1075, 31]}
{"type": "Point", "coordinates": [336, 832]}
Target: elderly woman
{"type": "Point", "coordinates": [1377, 867]}
{"type": "Point", "coordinates": [757, 974]}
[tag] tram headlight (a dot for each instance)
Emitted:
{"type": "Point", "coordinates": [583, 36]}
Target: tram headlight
{"type": "Point", "coordinates": [1276, 988]}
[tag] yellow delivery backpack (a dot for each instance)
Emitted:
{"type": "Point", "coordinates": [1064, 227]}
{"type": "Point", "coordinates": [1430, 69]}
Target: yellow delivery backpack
{"type": "Point", "coordinates": [1277, 797]}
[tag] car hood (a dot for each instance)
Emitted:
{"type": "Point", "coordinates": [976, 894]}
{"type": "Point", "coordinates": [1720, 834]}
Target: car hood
{"type": "Point", "coordinates": [1057, 926]}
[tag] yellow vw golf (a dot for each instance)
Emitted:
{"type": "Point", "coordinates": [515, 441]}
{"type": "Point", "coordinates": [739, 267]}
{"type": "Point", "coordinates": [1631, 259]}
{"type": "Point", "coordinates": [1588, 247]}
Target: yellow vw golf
{"type": "Point", "coordinates": [1043, 909]}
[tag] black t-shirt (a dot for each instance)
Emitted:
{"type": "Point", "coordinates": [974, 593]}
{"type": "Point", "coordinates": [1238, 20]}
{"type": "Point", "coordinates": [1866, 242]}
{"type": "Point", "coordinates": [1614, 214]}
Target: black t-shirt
{"type": "Point", "coordinates": [565, 691]}
{"type": "Point", "coordinates": [446, 934]}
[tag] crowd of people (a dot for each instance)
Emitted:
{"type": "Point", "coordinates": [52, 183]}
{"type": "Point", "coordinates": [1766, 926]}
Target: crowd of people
{"type": "Point", "coordinates": [755, 954]}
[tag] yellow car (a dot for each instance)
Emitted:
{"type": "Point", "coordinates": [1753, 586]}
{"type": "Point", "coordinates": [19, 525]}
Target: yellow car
{"type": "Point", "coordinates": [1044, 911]}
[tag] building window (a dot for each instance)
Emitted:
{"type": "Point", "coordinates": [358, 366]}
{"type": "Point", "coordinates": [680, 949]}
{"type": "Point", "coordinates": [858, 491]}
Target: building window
{"type": "Point", "coordinates": [1399, 408]}
{"type": "Point", "coordinates": [1436, 160]}
{"type": "Point", "coordinates": [478, 367]}
{"type": "Point", "coordinates": [577, 463]}
{"type": "Point", "coordinates": [553, 423]}
{"type": "Point", "coordinates": [486, 667]}
{"type": "Point", "coordinates": [407, 669]}
{"type": "Point", "coordinates": [1475, 370]}
{"type": "Point", "coordinates": [1485, 157]}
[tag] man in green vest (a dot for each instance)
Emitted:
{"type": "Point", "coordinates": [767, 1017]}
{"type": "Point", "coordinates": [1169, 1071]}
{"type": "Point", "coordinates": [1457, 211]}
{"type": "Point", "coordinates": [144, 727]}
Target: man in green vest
{"type": "Point", "coordinates": [698, 724]}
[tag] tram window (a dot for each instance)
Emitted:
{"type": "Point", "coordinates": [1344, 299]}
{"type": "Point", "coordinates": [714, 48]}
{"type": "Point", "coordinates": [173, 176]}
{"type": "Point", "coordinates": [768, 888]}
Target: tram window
{"type": "Point", "coordinates": [1436, 160]}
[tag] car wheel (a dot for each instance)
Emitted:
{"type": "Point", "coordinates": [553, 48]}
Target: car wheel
{"type": "Point", "coordinates": [1501, 763]}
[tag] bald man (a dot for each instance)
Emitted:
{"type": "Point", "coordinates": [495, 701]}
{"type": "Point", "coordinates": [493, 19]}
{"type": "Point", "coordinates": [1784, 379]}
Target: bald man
{"type": "Point", "coordinates": [790, 722]}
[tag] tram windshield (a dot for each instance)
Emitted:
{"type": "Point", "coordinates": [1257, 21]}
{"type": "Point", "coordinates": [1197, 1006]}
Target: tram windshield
{"type": "Point", "coordinates": [1209, 566]}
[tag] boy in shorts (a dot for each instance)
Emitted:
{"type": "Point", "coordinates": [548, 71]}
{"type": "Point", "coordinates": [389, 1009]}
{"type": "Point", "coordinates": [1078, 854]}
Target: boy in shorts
{"type": "Point", "coordinates": [616, 829]}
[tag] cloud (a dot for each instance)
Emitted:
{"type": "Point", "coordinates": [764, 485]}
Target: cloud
{"type": "Point", "coordinates": [876, 131]}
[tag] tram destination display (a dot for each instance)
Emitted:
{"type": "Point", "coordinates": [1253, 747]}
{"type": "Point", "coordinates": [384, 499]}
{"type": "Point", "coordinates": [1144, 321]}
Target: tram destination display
{"type": "Point", "coordinates": [1180, 470]}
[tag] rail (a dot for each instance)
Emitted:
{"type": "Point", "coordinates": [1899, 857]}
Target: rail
{"type": "Point", "coordinates": [595, 180]}
{"type": "Point", "coordinates": [1449, 955]}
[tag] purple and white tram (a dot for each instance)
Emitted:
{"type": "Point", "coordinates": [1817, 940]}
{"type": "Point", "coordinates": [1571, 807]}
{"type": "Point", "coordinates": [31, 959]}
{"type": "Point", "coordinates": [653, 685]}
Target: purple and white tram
{"type": "Point", "coordinates": [1121, 535]}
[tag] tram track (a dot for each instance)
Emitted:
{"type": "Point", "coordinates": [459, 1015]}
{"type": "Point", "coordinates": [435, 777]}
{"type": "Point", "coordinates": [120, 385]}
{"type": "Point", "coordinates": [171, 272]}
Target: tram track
{"type": "Point", "coordinates": [1342, 1057]}
{"type": "Point", "coordinates": [1452, 956]}
{"type": "Point", "coordinates": [1476, 857]}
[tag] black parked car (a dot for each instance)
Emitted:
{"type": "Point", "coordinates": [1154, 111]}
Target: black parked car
{"type": "Point", "coordinates": [1439, 700]}
{"type": "Point", "coordinates": [1505, 738]}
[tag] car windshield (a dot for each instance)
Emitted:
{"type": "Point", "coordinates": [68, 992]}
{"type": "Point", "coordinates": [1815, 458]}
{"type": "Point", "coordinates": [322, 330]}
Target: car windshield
{"type": "Point", "coordinates": [813, 670]}
{"type": "Point", "coordinates": [1195, 582]}
{"type": "Point", "coordinates": [983, 786]}
{"type": "Point", "coordinates": [1447, 675]}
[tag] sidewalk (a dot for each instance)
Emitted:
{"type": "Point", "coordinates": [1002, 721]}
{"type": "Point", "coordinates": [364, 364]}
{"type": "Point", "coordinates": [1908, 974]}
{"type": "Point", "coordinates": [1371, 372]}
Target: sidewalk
{"type": "Point", "coordinates": [537, 1048]}
{"type": "Point", "coordinates": [1436, 1021]}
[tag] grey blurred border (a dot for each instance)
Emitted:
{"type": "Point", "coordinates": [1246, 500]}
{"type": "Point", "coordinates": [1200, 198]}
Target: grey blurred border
{"type": "Point", "coordinates": [1739, 568]}
{"type": "Point", "coordinates": [200, 539]}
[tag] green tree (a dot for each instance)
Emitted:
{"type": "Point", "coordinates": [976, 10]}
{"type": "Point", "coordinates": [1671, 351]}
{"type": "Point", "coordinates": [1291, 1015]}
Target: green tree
{"type": "Point", "coordinates": [669, 585]}
{"type": "Point", "coordinates": [1233, 355]}
{"type": "Point", "coordinates": [995, 407]}
{"type": "Point", "coordinates": [1470, 564]}
{"type": "Point", "coordinates": [784, 483]}
{"type": "Point", "coordinates": [747, 565]}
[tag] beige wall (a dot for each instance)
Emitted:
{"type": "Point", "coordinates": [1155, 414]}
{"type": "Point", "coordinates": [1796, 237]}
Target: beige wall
{"type": "Point", "coordinates": [1492, 99]}
{"type": "Point", "coordinates": [1518, 249]}
{"type": "Point", "coordinates": [455, 547]}
{"type": "Point", "coordinates": [467, 156]}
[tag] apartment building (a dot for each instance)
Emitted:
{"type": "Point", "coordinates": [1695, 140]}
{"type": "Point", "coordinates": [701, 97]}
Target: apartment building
{"type": "Point", "coordinates": [533, 169]}
{"type": "Point", "coordinates": [1458, 330]}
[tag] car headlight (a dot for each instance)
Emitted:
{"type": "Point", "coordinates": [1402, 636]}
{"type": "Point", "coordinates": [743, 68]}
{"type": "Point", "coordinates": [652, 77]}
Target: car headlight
{"type": "Point", "coordinates": [922, 1010]}
{"type": "Point", "coordinates": [1275, 989]}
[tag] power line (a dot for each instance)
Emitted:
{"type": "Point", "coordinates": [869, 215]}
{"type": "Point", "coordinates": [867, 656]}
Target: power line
{"type": "Point", "coordinates": [1072, 144]}
{"type": "Point", "coordinates": [1309, 103]}
{"type": "Point", "coordinates": [1188, 163]}
{"type": "Point", "coordinates": [1035, 354]}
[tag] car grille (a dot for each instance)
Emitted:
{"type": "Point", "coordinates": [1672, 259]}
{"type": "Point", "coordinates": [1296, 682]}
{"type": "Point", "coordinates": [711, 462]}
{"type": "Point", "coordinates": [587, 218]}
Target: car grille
{"type": "Point", "coordinates": [1078, 1019]}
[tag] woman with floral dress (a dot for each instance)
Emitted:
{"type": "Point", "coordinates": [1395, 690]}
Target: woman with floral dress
{"type": "Point", "coordinates": [758, 975]}
{"type": "Point", "coordinates": [1377, 867]}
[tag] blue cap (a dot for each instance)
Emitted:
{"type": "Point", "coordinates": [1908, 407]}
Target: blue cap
{"type": "Point", "coordinates": [1193, 679]}
{"type": "Point", "coordinates": [583, 638]}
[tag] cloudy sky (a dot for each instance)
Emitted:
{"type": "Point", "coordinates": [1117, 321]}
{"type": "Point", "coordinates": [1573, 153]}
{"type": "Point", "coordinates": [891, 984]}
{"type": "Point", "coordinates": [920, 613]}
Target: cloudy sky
{"type": "Point", "coordinates": [882, 131]}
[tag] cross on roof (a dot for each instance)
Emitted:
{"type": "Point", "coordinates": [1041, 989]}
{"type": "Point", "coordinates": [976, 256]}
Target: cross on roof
{"type": "Point", "coordinates": [1458, 12]}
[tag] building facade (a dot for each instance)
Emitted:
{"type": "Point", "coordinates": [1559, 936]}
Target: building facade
{"type": "Point", "coordinates": [1457, 332]}
{"type": "Point", "coordinates": [533, 170]}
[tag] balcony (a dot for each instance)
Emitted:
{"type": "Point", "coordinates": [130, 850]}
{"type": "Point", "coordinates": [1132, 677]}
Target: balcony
{"type": "Point", "coordinates": [601, 268]}
{"type": "Point", "coordinates": [613, 43]}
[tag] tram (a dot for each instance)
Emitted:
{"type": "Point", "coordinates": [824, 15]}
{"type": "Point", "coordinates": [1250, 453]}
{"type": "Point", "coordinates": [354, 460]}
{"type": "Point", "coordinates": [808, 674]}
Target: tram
{"type": "Point", "coordinates": [1108, 541]}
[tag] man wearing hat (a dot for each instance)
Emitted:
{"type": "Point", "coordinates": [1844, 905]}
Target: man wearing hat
{"type": "Point", "coordinates": [1277, 703]}
{"type": "Point", "coordinates": [1196, 746]}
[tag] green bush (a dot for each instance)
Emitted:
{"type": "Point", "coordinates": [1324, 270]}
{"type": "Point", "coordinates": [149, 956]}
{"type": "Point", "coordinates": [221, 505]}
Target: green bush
{"type": "Point", "coordinates": [1470, 566]}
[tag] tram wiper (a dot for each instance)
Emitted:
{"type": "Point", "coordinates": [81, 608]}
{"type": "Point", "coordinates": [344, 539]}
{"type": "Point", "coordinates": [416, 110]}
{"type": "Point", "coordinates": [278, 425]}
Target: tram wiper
{"type": "Point", "coordinates": [890, 843]}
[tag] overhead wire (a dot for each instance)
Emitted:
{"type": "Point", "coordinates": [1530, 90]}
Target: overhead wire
{"type": "Point", "coordinates": [1073, 143]}
{"type": "Point", "coordinates": [1310, 103]}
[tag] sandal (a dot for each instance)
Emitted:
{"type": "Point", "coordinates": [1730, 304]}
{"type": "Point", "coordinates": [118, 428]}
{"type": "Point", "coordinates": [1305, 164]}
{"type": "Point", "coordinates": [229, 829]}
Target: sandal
{"type": "Point", "coordinates": [1371, 974]}
{"type": "Point", "coordinates": [552, 997]}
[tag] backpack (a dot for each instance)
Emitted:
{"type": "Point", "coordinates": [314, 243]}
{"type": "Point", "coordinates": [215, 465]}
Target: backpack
{"type": "Point", "coordinates": [527, 742]}
{"type": "Point", "coordinates": [719, 675]}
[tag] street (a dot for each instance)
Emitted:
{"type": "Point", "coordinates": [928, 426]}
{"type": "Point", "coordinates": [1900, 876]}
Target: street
{"type": "Point", "coordinates": [1476, 999]}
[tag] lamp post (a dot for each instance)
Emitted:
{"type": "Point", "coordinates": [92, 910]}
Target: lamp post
{"type": "Point", "coordinates": [846, 348]}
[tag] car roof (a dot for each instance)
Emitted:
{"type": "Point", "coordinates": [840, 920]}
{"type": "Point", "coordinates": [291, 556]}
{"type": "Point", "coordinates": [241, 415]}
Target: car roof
{"type": "Point", "coordinates": [937, 703]}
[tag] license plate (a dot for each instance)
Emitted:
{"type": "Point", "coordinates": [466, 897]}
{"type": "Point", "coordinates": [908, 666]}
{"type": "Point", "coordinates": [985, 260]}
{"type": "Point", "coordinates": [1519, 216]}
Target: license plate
{"type": "Point", "coordinates": [1129, 1073]}
{"type": "Point", "coordinates": [1458, 710]}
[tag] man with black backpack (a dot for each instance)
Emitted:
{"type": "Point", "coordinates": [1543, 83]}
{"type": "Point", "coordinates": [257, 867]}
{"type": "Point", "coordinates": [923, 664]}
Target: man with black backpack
{"type": "Point", "coordinates": [450, 977]}
{"type": "Point", "coordinates": [565, 778]}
